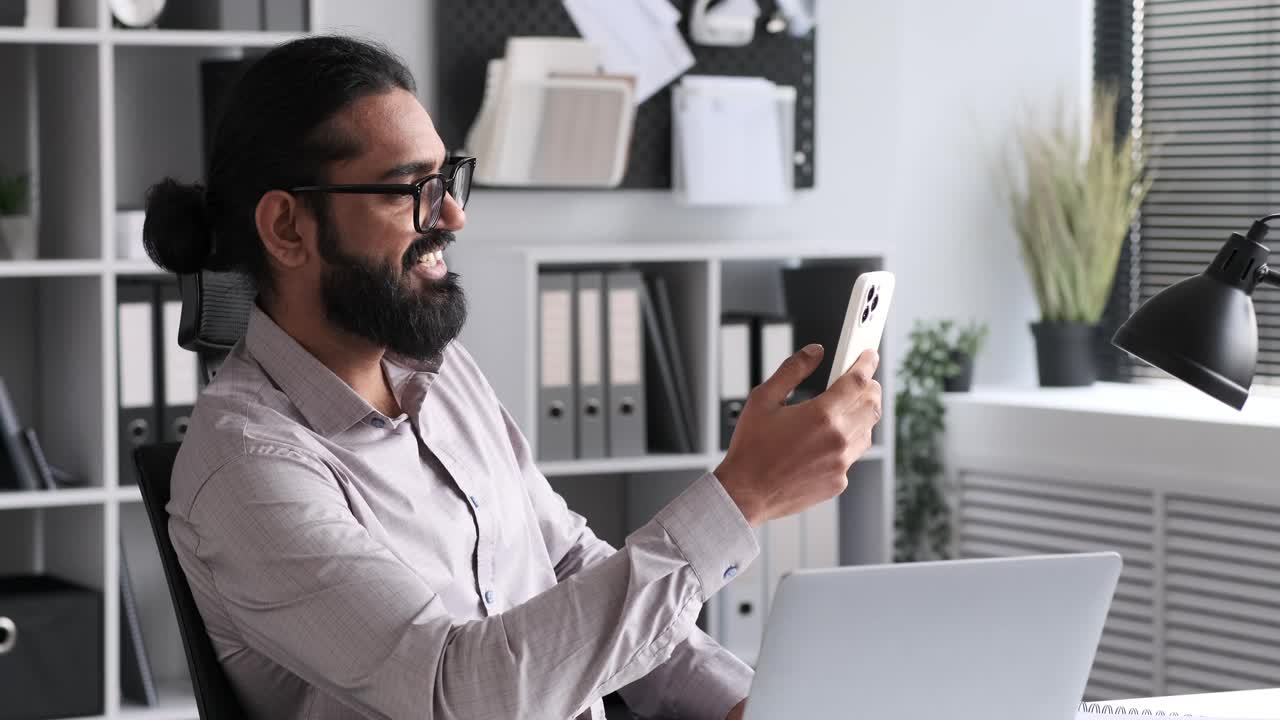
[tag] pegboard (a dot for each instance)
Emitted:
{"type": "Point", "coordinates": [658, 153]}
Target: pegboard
{"type": "Point", "coordinates": [469, 33]}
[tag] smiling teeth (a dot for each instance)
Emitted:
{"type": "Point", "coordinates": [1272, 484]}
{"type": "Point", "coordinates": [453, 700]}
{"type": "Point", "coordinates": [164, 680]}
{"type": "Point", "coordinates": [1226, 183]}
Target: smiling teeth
{"type": "Point", "coordinates": [430, 259]}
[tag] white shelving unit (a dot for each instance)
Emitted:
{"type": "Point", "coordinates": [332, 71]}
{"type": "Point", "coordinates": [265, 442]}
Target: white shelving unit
{"type": "Point", "coordinates": [70, 114]}
{"type": "Point", "coordinates": [704, 278]}
{"type": "Point", "coordinates": [64, 115]}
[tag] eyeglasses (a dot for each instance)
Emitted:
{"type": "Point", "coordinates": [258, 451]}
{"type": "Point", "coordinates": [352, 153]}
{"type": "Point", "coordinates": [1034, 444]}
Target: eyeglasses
{"type": "Point", "coordinates": [428, 193]}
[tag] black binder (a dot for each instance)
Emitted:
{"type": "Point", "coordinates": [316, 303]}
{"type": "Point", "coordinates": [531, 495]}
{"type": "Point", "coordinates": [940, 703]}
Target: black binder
{"type": "Point", "coordinates": [17, 471]}
{"type": "Point", "coordinates": [136, 680]}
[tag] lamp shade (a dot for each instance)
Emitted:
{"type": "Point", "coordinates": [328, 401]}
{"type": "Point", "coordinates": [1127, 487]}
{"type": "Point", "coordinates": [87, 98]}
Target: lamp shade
{"type": "Point", "coordinates": [1203, 330]}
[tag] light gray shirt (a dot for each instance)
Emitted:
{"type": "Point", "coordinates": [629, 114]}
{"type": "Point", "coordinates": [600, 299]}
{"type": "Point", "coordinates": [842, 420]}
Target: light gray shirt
{"type": "Point", "coordinates": [349, 564]}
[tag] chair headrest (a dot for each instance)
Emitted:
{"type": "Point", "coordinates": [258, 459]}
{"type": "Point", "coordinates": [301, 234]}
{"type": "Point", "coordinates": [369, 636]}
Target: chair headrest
{"type": "Point", "coordinates": [215, 313]}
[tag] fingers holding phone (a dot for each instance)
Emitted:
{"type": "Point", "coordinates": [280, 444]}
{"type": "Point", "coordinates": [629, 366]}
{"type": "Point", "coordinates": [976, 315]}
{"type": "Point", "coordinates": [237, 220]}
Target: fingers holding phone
{"type": "Point", "coordinates": [783, 458]}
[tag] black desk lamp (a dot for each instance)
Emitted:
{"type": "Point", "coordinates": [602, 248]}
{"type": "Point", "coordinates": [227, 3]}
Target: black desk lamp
{"type": "Point", "coordinates": [1203, 330]}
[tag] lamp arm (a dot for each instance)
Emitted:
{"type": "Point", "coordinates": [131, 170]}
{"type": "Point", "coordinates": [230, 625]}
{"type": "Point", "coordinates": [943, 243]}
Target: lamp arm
{"type": "Point", "coordinates": [1269, 276]}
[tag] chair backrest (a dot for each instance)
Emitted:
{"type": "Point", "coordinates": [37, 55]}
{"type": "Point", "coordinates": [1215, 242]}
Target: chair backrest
{"type": "Point", "coordinates": [215, 697]}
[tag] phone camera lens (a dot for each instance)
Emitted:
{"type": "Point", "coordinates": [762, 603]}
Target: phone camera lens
{"type": "Point", "coordinates": [875, 301]}
{"type": "Point", "coordinates": [866, 313]}
{"type": "Point", "coordinates": [871, 293]}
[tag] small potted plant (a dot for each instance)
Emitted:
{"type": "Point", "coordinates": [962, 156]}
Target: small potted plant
{"type": "Point", "coordinates": [963, 348]}
{"type": "Point", "coordinates": [17, 227]}
{"type": "Point", "coordinates": [1073, 195]}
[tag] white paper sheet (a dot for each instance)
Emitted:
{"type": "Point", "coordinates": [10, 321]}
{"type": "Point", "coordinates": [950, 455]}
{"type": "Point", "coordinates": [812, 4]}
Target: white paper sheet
{"type": "Point", "coordinates": [636, 37]}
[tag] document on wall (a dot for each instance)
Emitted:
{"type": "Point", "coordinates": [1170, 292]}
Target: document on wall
{"type": "Point", "coordinates": [730, 141]}
{"type": "Point", "coordinates": [640, 38]}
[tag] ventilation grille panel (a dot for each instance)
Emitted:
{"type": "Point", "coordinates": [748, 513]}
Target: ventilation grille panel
{"type": "Point", "coordinates": [1223, 608]}
{"type": "Point", "coordinates": [1001, 516]}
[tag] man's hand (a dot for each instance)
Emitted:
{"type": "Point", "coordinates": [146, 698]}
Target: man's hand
{"type": "Point", "coordinates": [736, 712]}
{"type": "Point", "coordinates": [784, 459]}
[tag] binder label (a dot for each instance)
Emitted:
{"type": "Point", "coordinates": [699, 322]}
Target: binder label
{"type": "Point", "coordinates": [625, 363]}
{"type": "Point", "coordinates": [589, 341]}
{"type": "Point", "coordinates": [137, 365]}
{"type": "Point", "coordinates": [557, 329]}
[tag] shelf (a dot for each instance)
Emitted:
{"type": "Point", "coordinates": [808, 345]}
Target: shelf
{"type": "Point", "coordinates": [875, 452]}
{"type": "Point", "coordinates": [19, 499]}
{"type": "Point", "coordinates": [136, 267]}
{"type": "Point", "coordinates": [128, 494]}
{"type": "Point", "coordinates": [54, 36]}
{"type": "Point", "coordinates": [623, 465]}
{"type": "Point", "coordinates": [571, 254]}
{"type": "Point", "coordinates": [199, 38]}
{"type": "Point", "coordinates": [176, 703]}
{"type": "Point", "coordinates": [51, 268]}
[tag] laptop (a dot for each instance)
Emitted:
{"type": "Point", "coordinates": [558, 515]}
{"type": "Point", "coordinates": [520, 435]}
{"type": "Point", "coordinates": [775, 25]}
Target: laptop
{"type": "Point", "coordinates": [1000, 639]}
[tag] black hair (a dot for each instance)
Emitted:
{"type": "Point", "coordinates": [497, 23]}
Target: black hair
{"type": "Point", "coordinates": [274, 133]}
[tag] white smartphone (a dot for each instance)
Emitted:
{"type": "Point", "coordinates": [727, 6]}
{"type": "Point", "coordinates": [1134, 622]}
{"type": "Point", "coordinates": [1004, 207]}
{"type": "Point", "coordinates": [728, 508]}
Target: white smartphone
{"type": "Point", "coordinates": [863, 320]}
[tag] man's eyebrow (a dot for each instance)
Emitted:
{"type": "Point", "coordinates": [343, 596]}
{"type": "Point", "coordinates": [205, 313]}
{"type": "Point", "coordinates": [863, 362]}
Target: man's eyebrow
{"type": "Point", "coordinates": [417, 168]}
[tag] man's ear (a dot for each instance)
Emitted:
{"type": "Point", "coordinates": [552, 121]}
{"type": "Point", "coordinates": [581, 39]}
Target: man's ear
{"type": "Point", "coordinates": [286, 228]}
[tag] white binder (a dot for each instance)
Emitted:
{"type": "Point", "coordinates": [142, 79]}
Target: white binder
{"type": "Point", "coordinates": [136, 373]}
{"type": "Point", "coordinates": [556, 416]}
{"type": "Point", "coordinates": [777, 343]}
{"type": "Point", "coordinates": [628, 424]}
{"type": "Point", "coordinates": [591, 408]}
{"type": "Point", "coordinates": [181, 372]}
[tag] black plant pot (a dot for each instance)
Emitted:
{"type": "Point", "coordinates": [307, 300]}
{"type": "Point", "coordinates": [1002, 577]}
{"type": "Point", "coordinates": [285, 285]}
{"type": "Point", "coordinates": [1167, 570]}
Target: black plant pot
{"type": "Point", "coordinates": [1064, 353]}
{"type": "Point", "coordinates": [963, 379]}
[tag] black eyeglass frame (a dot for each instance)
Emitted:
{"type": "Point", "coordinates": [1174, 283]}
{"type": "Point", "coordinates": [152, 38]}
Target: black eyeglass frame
{"type": "Point", "coordinates": [448, 173]}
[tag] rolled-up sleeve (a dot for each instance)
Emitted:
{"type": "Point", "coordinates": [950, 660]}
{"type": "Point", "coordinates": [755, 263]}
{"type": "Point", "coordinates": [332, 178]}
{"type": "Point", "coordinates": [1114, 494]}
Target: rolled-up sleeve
{"type": "Point", "coordinates": [310, 588]}
{"type": "Point", "coordinates": [701, 680]}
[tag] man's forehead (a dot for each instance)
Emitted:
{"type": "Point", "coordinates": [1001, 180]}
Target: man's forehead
{"type": "Point", "coordinates": [392, 128]}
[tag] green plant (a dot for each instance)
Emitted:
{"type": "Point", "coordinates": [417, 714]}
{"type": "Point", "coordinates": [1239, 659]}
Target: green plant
{"type": "Point", "coordinates": [922, 515]}
{"type": "Point", "coordinates": [1073, 199]}
{"type": "Point", "coordinates": [968, 339]}
{"type": "Point", "coordinates": [14, 194]}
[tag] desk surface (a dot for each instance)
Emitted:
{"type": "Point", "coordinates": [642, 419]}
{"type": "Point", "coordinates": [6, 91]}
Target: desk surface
{"type": "Point", "coordinates": [1251, 704]}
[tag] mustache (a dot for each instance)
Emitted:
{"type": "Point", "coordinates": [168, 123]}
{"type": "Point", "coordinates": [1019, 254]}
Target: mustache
{"type": "Point", "coordinates": [429, 242]}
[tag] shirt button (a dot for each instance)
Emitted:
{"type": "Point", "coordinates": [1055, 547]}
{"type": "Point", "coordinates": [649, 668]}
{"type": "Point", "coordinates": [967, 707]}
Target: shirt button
{"type": "Point", "coordinates": [379, 423]}
{"type": "Point", "coordinates": [488, 597]}
{"type": "Point", "coordinates": [474, 501]}
{"type": "Point", "coordinates": [733, 570]}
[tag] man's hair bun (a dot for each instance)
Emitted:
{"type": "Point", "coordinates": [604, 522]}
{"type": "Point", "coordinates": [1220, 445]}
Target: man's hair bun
{"type": "Point", "coordinates": [176, 233]}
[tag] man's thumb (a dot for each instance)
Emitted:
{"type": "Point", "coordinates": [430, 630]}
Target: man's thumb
{"type": "Point", "coordinates": [792, 372]}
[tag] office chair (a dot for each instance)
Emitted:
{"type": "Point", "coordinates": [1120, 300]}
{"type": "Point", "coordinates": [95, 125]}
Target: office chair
{"type": "Point", "coordinates": [214, 696]}
{"type": "Point", "coordinates": [215, 314]}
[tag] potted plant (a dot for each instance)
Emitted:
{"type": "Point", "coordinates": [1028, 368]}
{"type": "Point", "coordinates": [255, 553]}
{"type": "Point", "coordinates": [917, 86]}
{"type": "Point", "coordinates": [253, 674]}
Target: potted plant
{"type": "Point", "coordinates": [922, 522]}
{"type": "Point", "coordinates": [1073, 199]}
{"type": "Point", "coordinates": [17, 227]}
{"type": "Point", "coordinates": [963, 345]}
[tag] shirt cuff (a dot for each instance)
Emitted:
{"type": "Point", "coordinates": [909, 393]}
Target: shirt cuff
{"type": "Point", "coordinates": [710, 531]}
{"type": "Point", "coordinates": [716, 686]}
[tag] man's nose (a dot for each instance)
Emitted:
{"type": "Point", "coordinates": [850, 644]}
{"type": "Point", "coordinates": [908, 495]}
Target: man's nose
{"type": "Point", "coordinates": [452, 216]}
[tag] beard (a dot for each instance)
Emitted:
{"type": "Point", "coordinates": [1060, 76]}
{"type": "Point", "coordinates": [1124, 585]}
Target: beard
{"type": "Point", "coordinates": [379, 302]}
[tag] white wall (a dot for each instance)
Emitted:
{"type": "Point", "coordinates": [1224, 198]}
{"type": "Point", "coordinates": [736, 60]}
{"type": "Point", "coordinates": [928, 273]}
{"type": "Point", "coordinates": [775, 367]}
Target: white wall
{"type": "Point", "coordinates": [969, 70]}
{"type": "Point", "coordinates": [914, 99]}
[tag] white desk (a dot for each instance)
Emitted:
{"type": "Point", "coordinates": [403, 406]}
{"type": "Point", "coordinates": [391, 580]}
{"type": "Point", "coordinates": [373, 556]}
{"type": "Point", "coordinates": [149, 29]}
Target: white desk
{"type": "Point", "coordinates": [1251, 704]}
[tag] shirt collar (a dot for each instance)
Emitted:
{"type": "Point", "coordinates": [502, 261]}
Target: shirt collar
{"type": "Point", "coordinates": [327, 402]}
